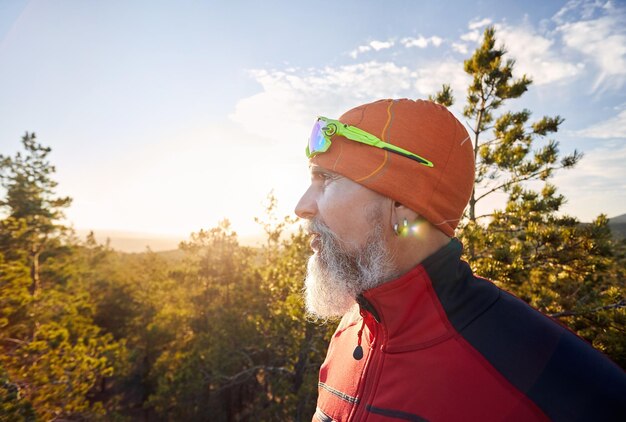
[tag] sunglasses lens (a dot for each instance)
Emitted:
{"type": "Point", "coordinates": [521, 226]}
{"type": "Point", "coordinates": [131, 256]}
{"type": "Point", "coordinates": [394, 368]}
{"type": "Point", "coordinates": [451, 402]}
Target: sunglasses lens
{"type": "Point", "coordinates": [317, 139]}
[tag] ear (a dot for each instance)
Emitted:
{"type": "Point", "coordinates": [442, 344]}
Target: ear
{"type": "Point", "coordinates": [402, 211]}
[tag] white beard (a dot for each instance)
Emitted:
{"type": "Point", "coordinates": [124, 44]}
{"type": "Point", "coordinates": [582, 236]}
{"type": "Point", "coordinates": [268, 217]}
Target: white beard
{"type": "Point", "coordinates": [336, 276]}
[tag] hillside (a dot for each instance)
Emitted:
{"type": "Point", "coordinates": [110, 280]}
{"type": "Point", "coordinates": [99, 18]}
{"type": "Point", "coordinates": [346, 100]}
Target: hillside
{"type": "Point", "coordinates": [133, 242]}
{"type": "Point", "coordinates": [618, 226]}
{"type": "Point", "coordinates": [124, 241]}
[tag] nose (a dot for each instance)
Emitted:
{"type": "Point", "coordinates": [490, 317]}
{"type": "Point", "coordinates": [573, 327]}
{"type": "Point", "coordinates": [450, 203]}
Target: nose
{"type": "Point", "coordinates": [307, 205]}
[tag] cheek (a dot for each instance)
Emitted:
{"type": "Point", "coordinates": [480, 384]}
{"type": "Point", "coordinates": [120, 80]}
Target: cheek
{"type": "Point", "coordinates": [344, 211]}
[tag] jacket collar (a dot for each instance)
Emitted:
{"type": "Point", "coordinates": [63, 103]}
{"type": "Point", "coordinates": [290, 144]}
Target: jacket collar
{"type": "Point", "coordinates": [409, 310]}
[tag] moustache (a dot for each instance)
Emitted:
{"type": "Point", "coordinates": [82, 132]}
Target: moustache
{"type": "Point", "coordinates": [317, 227]}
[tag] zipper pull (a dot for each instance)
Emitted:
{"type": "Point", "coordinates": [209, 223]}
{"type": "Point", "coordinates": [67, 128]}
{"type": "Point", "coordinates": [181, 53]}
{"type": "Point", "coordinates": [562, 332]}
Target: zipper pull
{"type": "Point", "coordinates": [358, 353]}
{"type": "Point", "coordinates": [358, 350]}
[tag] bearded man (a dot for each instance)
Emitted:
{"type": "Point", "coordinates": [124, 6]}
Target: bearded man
{"type": "Point", "coordinates": [421, 337]}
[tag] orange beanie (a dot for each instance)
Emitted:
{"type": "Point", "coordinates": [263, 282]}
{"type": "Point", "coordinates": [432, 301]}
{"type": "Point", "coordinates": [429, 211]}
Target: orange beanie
{"type": "Point", "coordinates": [439, 193]}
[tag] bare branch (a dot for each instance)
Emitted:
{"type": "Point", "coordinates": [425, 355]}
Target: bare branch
{"type": "Point", "coordinates": [14, 340]}
{"type": "Point", "coordinates": [246, 374]}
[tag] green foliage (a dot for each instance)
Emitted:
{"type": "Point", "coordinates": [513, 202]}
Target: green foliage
{"type": "Point", "coordinates": [13, 406]}
{"type": "Point", "coordinates": [29, 188]}
{"type": "Point", "coordinates": [14, 297]}
{"type": "Point", "coordinates": [443, 97]}
{"type": "Point", "coordinates": [33, 210]}
{"type": "Point", "coordinates": [50, 349]}
{"type": "Point", "coordinates": [240, 346]}
{"type": "Point", "coordinates": [58, 373]}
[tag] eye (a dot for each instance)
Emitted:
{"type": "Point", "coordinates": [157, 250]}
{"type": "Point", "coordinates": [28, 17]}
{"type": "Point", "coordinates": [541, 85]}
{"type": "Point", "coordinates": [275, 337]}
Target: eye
{"type": "Point", "coordinates": [323, 177]}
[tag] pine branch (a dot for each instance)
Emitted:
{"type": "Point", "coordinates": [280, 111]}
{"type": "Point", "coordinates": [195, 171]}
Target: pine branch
{"type": "Point", "coordinates": [618, 305]}
{"type": "Point", "coordinates": [516, 180]}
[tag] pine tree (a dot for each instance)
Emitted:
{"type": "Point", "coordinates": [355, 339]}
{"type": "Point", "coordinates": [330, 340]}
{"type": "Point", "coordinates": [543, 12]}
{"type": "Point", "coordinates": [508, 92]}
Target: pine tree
{"type": "Point", "coordinates": [503, 144]}
{"type": "Point", "coordinates": [33, 210]}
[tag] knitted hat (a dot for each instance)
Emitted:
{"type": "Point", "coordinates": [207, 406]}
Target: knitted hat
{"type": "Point", "coordinates": [439, 193]}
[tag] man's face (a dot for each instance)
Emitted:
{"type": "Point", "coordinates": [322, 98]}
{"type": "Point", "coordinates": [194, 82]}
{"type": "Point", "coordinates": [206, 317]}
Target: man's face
{"type": "Point", "coordinates": [349, 227]}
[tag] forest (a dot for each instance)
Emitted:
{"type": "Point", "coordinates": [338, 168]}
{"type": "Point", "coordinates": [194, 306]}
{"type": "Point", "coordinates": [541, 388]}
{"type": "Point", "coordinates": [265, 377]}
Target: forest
{"type": "Point", "coordinates": [217, 331]}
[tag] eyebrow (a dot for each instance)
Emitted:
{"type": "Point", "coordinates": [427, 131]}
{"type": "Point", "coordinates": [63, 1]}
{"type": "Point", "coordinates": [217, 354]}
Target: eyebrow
{"type": "Point", "coordinates": [314, 169]}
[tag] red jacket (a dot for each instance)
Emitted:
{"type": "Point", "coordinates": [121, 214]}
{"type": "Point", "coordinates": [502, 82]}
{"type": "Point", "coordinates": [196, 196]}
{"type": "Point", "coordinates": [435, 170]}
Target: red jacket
{"type": "Point", "coordinates": [440, 344]}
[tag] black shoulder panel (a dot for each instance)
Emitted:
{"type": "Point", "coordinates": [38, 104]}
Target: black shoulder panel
{"type": "Point", "coordinates": [561, 373]}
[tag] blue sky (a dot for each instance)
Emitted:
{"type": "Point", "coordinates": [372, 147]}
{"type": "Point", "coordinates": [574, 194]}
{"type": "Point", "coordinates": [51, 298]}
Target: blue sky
{"type": "Point", "coordinates": [166, 116]}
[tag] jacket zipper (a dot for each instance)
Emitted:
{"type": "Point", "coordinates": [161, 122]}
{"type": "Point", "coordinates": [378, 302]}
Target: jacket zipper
{"type": "Point", "coordinates": [365, 305]}
{"type": "Point", "coordinates": [371, 368]}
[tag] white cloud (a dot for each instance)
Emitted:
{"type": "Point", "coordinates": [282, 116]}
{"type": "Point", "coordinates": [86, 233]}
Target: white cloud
{"type": "Point", "coordinates": [579, 9]}
{"type": "Point", "coordinates": [430, 77]}
{"type": "Point", "coordinates": [607, 162]}
{"type": "Point", "coordinates": [372, 45]}
{"type": "Point", "coordinates": [603, 42]}
{"type": "Point", "coordinates": [460, 48]}
{"type": "Point", "coordinates": [615, 127]}
{"type": "Point", "coordinates": [360, 49]}
{"type": "Point", "coordinates": [471, 36]}
{"type": "Point", "coordinates": [381, 45]}
{"type": "Point", "coordinates": [601, 174]}
{"type": "Point", "coordinates": [536, 55]}
{"type": "Point", "coordinates": [421, 41]}
{"type": "Point", "coordinates": [586, 36]}
{"type": "Point", "coordinates": [298, 96]}
{"type": "Point", "coordinates": [479, 24]}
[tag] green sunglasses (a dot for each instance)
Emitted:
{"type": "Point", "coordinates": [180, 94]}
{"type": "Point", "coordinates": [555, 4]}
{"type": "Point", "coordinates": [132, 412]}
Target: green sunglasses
{"type": "Point", "coordinates": [324, 128]}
